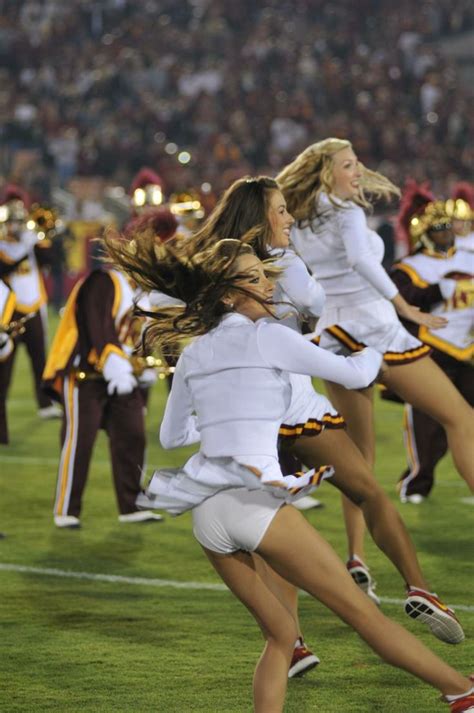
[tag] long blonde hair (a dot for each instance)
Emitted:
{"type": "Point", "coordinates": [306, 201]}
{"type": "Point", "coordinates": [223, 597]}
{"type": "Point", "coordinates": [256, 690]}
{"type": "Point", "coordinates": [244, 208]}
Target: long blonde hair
{"type": "Point", "coordinates": [310, 174]}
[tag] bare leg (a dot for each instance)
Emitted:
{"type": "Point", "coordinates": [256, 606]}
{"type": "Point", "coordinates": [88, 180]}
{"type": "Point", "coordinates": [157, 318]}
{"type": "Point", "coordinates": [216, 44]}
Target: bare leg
{"type": "Point", "coordinates": [278, 627]}
{"type": "Point", "coordinates": [424, 385]}
{"type": "Point", "coordinates": [327, 580]}
{"type": "Point", "coordinates": [283, 590]}
{"type": "Point", "coordinates": [355, 479]}
{"type": "Point", "coordinates": [357, 409]}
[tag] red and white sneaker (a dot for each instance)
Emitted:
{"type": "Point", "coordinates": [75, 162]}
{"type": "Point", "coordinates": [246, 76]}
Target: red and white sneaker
{"type": "Point", "coordinates": [361, 576]}
{"type": "Point", "coordinates": [427, 608]}
{"type": "Point", "coordinates": [463, 703]}
{"type": "Point", "coordinates": [303, 660]}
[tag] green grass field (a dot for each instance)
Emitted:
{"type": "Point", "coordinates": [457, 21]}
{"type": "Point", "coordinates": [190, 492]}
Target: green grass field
{"type": "Point", "coordinates": [143, 644]}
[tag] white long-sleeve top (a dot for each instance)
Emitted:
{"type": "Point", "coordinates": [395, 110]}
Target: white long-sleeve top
{"type": "Point", "coordinates": [236, 380]}
{"type": "Point", "coordinates": [295, 287]}
{"type": "Point", "coordinates": [344, 254]}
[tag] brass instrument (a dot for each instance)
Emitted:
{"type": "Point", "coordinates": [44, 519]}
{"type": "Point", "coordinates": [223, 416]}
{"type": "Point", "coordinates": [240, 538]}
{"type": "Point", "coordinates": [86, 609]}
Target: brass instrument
{"type": "Point", "coordinates": [16, 326]}
{"type": "Point", "coordinates": [139, 364]}
{"type": "Point", "coordinates": [45, 222]}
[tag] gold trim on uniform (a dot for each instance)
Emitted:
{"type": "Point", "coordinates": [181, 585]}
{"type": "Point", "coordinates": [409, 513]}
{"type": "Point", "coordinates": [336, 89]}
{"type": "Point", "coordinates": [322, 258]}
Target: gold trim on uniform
{"type": "Point", "coordinates": [412, 274]}
{"type": "Point", "coordinates": [312, 427]}
{"type": "Point", "coordinates": [68, 445]}
{"type": "Point", "coordinates": [394, 358]}
{"type": "Point", "coordinates": [8, 309]}
{"type": "Point", "coordinates": [457, 352]}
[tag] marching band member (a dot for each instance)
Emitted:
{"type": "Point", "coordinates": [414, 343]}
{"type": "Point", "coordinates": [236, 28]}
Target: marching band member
{"type": "Point", "coordinates": [7, 308]}
{"type": "Point", "coordinates": [146, 191]}
{"type": "Point", "coordinates": [234, 376]}
{"type": "Point", "coordinates": [437, 277]}
{"type": "Point", "coordinates": [20, 255]}
{"type": "Point", "coordinates": [460, 208]}
{"type": "Point", "coordinates": [89, 369]}
{"type": "Point", "coordinates": [324, 189]}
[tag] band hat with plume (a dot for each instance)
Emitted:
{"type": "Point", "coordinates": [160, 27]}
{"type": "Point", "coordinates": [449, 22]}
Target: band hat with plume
{"type": "Point", "coordinates": [461, 204]}
{"type": "Point", "coordinates": [420, 212]}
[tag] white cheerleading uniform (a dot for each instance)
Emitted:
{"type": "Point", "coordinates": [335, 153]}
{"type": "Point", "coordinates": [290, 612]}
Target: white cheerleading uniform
{"type": "Point", "coordinates": [345, 256]}
{"type": "Point", "coordinates": [235, 379]}
{"type": "Point", "coordinates": [309, 412]}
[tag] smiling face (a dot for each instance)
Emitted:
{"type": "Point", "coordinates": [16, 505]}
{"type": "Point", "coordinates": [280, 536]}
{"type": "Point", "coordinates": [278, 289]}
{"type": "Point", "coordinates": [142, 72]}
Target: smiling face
{"type": "Point", "coordinates": [346, 174]}
{"type": "Point", "coordinates": [280, 220]}
{"type": "Point", "coordinates": [256, 282]}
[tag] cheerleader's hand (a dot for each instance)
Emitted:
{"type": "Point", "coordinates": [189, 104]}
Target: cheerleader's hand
{"type": "Point", "coordinates": [413, 314]}
{"type": "Point", "coordinates": [425, 319]}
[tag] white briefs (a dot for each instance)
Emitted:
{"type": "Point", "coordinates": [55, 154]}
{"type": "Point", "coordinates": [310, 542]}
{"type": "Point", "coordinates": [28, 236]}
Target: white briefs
{"type": "Point", "coordinates": [234, 519]}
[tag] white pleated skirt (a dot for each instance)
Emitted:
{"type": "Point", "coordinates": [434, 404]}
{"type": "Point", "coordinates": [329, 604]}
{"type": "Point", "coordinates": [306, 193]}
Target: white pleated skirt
{"type": "Point", "coordinates": [345, 330]}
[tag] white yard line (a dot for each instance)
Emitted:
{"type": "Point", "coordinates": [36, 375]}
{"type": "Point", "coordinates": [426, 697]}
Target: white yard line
{"type": "Point", "coordinates": [148, 582]}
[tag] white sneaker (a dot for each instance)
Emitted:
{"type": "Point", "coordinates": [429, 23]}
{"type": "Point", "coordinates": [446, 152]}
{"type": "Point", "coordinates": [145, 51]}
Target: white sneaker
{"type": "Point", "coordinates": [140, 516]}
{"type": "Point", "coordinates": [49, 412]}
{"type": "Point", "coordinates": [415, 499]}
{"type": "Point", "coordinates": [67, 521]}
{"type": "Point", "coordinates": [307, 503]}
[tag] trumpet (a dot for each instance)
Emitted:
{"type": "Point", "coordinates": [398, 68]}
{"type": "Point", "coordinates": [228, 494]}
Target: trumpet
{"type": "Point", "coordinates": [45, 222]}
{"type": "Point", "coordinates": [16, 326]}
{"type": "Point", "coordinates": [140, 363]}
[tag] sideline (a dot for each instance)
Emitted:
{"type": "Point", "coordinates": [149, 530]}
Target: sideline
{"type": "Point", "coordinates": [148, 582]}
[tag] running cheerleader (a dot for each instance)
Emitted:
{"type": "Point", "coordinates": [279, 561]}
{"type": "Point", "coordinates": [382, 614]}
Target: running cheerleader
{"type": "Point", "coordinates": [325, 188]}
{"type": "Point", "coordinates": [257, 205]}
{"type": "Point", "coordinates": [234, 377]}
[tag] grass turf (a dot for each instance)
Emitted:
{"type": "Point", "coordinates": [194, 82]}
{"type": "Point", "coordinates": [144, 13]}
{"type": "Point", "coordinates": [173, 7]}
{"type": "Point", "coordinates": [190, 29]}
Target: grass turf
{"type": "Point", "coordinates": [90, 645]}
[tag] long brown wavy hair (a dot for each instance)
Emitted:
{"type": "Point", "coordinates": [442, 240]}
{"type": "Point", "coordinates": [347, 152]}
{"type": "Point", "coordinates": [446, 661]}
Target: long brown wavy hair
{"type": "Point", "coordinates": [200, 279]}
{"type": "Point", "coordinates": [310, 174]}
{"type": "Point", "coordinates": [242, 208]}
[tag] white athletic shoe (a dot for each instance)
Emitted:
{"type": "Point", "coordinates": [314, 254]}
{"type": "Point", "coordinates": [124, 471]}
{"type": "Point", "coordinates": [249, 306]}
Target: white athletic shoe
{"type": "Point", "coordinates": [141, 516]}
{"type": "Point", "coordinates": [69, 521]}
{"type": "Point", "coordinates": [307, 503]}
{"type": "Point", "coordinates": [415, 499]}
{"type": "Point", "coordinates": [49, 412]}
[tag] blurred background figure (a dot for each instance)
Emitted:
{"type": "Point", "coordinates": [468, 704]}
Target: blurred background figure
{"type": "Point", "coordinates": [437, 277]}
{"type": "Point", "coordinates": [460, 208]}
{"type": "Point", "coordinates": [22, 252]}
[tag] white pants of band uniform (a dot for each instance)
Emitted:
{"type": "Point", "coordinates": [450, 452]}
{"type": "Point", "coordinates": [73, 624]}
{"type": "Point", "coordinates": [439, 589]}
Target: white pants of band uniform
{"type": "Point", "coordinates": [234, 519]}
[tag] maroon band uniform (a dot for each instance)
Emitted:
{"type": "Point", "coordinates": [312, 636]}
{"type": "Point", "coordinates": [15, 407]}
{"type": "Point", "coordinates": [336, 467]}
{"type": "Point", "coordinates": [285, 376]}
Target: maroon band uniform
{"type": "Point", "coordinates": [89, 370]}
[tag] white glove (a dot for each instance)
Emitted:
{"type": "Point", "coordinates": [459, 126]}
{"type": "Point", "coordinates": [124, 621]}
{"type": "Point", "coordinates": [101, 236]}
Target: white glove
{"type": "Point", "coordinates": [147, 378]}
{"type": "Point", "coordinates": [6, 346]}
{"type": "Point", "coordinates": [28, 239]}
{"type": "Point", "coordinates": [121, 385]}
{"type": "Point", "coordinates": [118, 374]}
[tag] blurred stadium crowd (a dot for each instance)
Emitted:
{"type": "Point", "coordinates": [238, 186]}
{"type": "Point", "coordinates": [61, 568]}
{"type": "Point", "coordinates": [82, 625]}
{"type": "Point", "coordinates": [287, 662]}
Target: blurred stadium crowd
{"type": "Point", "coordinates": [208, 90]}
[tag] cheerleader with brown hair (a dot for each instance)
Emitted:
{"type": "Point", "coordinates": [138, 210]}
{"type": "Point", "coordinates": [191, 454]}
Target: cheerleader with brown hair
{"type": "Point", "coordinates": [232, 385]}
